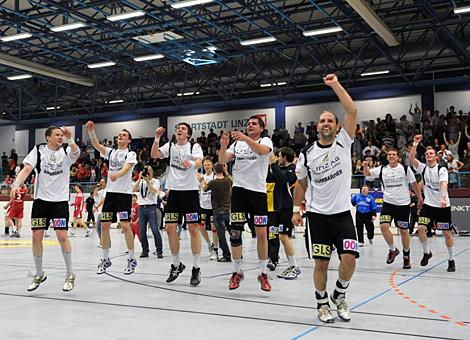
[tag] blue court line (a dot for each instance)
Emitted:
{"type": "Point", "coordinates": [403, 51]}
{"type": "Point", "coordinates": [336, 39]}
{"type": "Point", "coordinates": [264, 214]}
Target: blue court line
{"type": "Point", "coordinates": [381, 293]}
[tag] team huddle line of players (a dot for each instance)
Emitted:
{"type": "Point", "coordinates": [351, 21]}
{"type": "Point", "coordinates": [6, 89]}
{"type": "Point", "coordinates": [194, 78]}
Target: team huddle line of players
{"type": "Point", "coordinates": [322, 178]}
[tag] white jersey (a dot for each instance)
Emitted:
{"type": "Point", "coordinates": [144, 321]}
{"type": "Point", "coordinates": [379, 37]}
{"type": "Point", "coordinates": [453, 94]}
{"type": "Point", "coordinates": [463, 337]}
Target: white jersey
{"type": "Point", "coordinates": [329, 174]}
{"type": "Point", "coordinates": [250, 169]}
{"type": "Point", "coordinates": [53, 181]}
{"type": "Point", "coordinates": [178, 177]}
{"type": "Point", "coordinates": [205, 196]}
{"type": "Point", "coordinates": [395, 183]}
{"type": "Point", "coordinates": [432, 178]}
{"type": "Point", "coordinates": [99, 196]}
{"type": "Point", "coordinates": [144, 196]}
{"type": "Point", "coordinates": [117, 159]}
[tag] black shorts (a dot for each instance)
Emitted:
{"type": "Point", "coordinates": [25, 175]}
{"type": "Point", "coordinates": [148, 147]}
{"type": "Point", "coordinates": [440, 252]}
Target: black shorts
{"type": "Point", "coordinates": [182, 203]}
{"type": "Point", "coordinates": [285, 222]}
{"type": "Point", "coordinates": [207, 217]}
{"type": "Point", "coordinates": [116, 205]}
{"type": "Point", "coordinates": [327, 230]}
{"type": "Point", "coordinates": [441, 217]}
{"type": "Point", "coordinates": [46, 213]}
{"type": "Point", "coordinates": [399, 213]}
{"type": "Point", "coordinates": [248, 202]}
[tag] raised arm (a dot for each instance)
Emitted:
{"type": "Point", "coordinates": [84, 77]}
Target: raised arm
{"type": "Point", "coordinates": [350, 117]}
{"type": "Point", "coordinates": [366, 169]}
{"type": "Point", "coordinates": [68, 135]}
{"type": "Point", "coordinates": [90, 126]}
{"type": "Point", "coordinates": [155, 151]}
{"type": "Point", "coordinates": [224, 157]}
{"type": "Point", "coordinates": [413, 160]}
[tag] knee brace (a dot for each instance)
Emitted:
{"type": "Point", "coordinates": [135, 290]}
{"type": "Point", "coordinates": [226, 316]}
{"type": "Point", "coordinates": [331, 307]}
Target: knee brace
{"type": "Point", "coordinates": [236, 235]}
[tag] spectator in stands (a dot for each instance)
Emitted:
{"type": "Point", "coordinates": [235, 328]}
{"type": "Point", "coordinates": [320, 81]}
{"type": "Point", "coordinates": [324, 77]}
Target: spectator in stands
{"type": "Point", "coordinates": [382, 156]}
{"type": "Point", "coordinates": [416, 115]}
{"type": "Point", "coordinates": [453, 145]}
{"type": "Point", "coordinates": [104, 171]}
{"type": "Point", "coordinates": [299, 140]}
{"type": "Point", "coordinates": [443, 151]}
{"type": "Point", "coordinates": [4, 162]}
{"type": "Point", "coordinates": [404, 125]}
{"type": "Point", "coordinates": [440, 129]}
{"type": "Point", "coordinates": [388, 139]}
{"type": "Point", "coordinates": [373, 150]}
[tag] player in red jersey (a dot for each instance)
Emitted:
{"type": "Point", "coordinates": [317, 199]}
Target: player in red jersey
{"type": "Point", "coordinates": [14, 215]}
{"type": "Point", "coordinates": [78, 211]}
{"type": "Point", "coordinates": [135, 217]}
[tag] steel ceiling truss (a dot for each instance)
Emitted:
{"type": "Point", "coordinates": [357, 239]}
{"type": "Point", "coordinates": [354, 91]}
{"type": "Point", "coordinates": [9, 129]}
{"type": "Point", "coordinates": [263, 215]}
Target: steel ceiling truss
{"type": "Point", "coordinates": [433, 42]}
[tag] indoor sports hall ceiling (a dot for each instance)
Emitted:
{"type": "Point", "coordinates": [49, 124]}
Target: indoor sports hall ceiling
{"type": "Point", "coordinates": [172, 53]}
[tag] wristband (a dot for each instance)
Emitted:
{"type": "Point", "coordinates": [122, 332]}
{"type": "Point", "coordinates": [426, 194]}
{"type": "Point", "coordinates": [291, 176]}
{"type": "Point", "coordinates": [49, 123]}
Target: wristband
{"type": "Point", "coordinates": [92, 135]}
{"type": "Point", "coordinates": [193, 164]}
{"type": "Point", "coordinates": [296, 209]}
{"type": "Point", "coordinates": [415, 143]}
{"type": "Point", "coordinates": [15, 184]}
{"type": "Point", "coordinates": [70, 141]}
{"type": "Point", "coordinates": [157, 140]}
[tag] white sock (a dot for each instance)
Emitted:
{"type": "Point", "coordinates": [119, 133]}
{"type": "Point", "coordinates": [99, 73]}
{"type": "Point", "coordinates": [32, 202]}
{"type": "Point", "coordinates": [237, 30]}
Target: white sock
{"type": "Point", "coordinates": [391, 247]}
{"type": "Point", "coordinates": [237, 265]}
{"type": "Point", "coordinates": [131, 254]}
{"type": "Point", "coordinates": [262, 266]}
{"type": "Point", "coordinates": [196, 258]}
{"type": "Point", "coordinates": [68, 261]}
{"type": "Point", "coordinates": [451, 253]}
{"type": "Point", "coordinates": [292, 261]}
{"type": "Point", "coordinates": [175, 259]}
{"type": "Point", "coordinates": [424, 244]}
{"type": "Point", "coordinates": [105, 254]}
{"type": "Point", "coordinates": [38, 264]}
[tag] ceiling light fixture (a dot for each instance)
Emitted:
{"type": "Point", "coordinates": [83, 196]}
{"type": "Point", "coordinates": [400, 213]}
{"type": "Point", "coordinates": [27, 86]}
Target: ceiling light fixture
{"type": "Point", "coordinates": [103, 64]}
{"type": "Point", "coordinates": [373, 20]}
{"type": "Point", "coordinates": [116, 101]}
{"type": "Point", "coordinates": [20, 77]}
{"type": "Point", "coordinates": [68, 27]}
{"type": "Point", "coordinates": [125, 15]}
{"type": "Point", "coordinates": [49, 108]}
{"type": "Point", "coordinates": [322, 31]}
{"type": "Point", "coordinates": [281, 83]}
{"type": "Point", "coordinates": [14, 37]}
{"type": "Point", "coordinates": [460, 10]}
{"type": "Point", "coordinates": [374, 73]}
{"type": "Point", "coordinates": [149, 57]}
{"type": "Point", "coordinates": [189, 3]}
{"type": "Point", "coordinates": [257, 41]}
{"type": "Point", "coordinates": [187, 94]}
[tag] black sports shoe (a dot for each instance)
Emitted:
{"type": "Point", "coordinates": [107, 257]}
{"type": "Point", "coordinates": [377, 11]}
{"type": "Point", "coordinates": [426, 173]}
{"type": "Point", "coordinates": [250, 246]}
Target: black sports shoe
{"type": "Point", "coordinates": [425, 259]}
{"type": "Point", "coordinates": [175, 272]}
{"type": "Point", "coordinates": [271, 265]}
{"type": "Point", "coordinates": [144, 255]}
{"type": "Point", "coordinates": [195, 277]}
{"type": "Point", "coordinates": [451, 266]}
{"type": "Point", "coordinates": [391, 255]}
{"type": "Point", "coordinates": [406, 262]}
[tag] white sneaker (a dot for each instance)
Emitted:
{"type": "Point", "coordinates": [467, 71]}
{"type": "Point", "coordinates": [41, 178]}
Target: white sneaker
{"type": "Point", "coordinates": [210, 248]}
{"type": "Point", "coordinates": [342, 308]}
{"type": "Point", "coordinates": [69, 283]}
{"type": "Point", "coordinates": [214, 256]}
{"type": "Point", "coordinates": [103, 265]}
{"type": "Point", "coordinates": [37, 280]}
{"type": "Point", "coordinates": [361, 244]}
{"type": "Point", "coordinates": [324, 314]}
{"type": "Point", "coordinates": [131, 264]}
{"type": "Point", "coordinates": [88, 232]}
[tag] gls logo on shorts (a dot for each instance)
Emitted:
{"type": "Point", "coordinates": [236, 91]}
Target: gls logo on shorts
{"type": "Point", "coordinates": [350, 245]}
{"type": "Point", "coordinates": [38, 223]}
{"type": "Point", "coordinates": [385, 218]}
{"type": "Point", "coordinates": [107, 216]}
{"type": "Point", "coordinates": [194, 217]}
{"type": "Point", "coordinates": [424, 220]}
{"type": "Point", "coordinates": [260, 220]}
{"type": "Point", "coordinates": [237, 217]}
{"type": "Point", "coordinates": [442, 226]}
{"type": "Point", "coordinates": [171, 217]}
{"type": "Point", "coordinates": [321, 250]}
{"type": "Point", "coordinates": [123, 215]}
{"type": "Point", "coordinates": [59, 223]}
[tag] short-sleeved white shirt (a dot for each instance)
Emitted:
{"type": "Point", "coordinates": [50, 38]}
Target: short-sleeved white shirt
{"type": "Point", "coordinates": [178, 177]}
{"type": "Point", "coordinates": [205, 196]}
{"type": "Point", "coordinates": [117, 159]}
{"type": "Point", "coordinates": [395, 183]}
{"type": "Point", "coordinates": [250, 169]}
{"type": "Point", "coordinates": [144, 195]}
{"type": "Point", "coordinates": [329, 183]}
{"type": "Point", "coordinates": [432, 178]}
{"type": "Point", "coordinates": [52, 183]}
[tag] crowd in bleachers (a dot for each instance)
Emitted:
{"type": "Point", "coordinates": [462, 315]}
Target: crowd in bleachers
{"type": "Point", "coordinates": [448, 133]}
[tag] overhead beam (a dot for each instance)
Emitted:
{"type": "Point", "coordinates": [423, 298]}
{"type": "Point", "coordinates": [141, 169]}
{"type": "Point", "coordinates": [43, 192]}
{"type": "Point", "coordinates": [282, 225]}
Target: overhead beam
{"type": "Point", "coordinates": [47, 71]}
